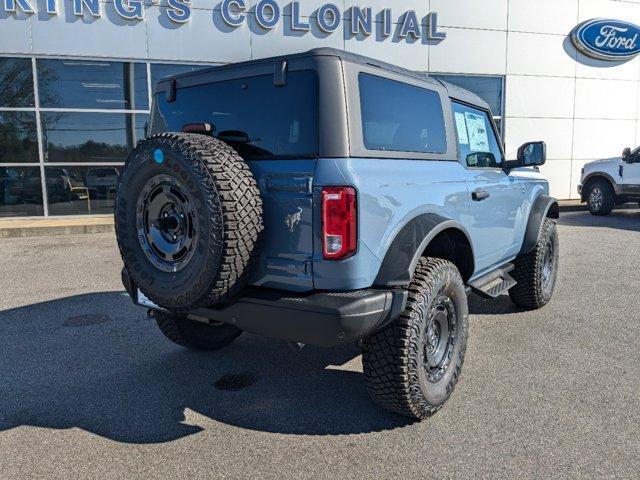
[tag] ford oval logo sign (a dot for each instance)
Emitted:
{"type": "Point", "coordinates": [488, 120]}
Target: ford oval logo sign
{"type": "Point", "coordinates": [607, 39]}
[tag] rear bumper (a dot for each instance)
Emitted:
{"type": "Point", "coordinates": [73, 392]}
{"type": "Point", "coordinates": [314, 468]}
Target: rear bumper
{"type": "Point", "coordinates": [324, 319]}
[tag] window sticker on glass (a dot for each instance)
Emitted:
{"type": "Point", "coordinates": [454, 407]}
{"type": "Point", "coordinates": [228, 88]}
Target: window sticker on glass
{"type": "Point", "coordinates": [461, 127]}
{"type": "Point", "coordinates": [477, 129]}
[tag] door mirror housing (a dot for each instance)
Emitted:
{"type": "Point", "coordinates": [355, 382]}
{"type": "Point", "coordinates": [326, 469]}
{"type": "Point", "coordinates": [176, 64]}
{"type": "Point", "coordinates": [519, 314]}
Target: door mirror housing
{"type": "Point", "coordinates": [626, 155]}
{"type": "Point", "coordinates": [532, 154]}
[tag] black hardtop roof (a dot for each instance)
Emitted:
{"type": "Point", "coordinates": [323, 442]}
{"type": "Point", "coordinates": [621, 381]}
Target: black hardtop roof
{"type": "Point", "coordinates": [453, 91]}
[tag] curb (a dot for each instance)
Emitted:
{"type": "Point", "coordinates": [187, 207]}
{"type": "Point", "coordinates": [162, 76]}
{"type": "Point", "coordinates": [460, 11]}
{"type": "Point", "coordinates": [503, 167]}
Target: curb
{"type": "Point", "coordinates": [22, 228]}
{"type": "Point", "coordinates": [573, 207]}
{"type": "Point", "coordinates": [54, 231]}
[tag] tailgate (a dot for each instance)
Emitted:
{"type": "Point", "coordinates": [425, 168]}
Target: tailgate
{"type": "Point", "coordinates": [287, 248]}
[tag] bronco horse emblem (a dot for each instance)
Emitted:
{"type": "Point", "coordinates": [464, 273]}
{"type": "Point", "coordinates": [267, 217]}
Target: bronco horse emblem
{"type": "Point", "coordinates": [293, 219]}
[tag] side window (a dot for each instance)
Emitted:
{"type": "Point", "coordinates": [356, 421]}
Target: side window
{"type": "Point", "coordinates": [400, 117]}
{"type": "Point", "coordinates": [477, 142]}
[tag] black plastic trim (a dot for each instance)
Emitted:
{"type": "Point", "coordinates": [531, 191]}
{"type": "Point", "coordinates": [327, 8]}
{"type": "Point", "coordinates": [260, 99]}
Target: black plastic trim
{"type": "Point", "coordinates": [406, 249]}
{"type": "Point", "coordinates": [323, 319]}
{"type": "Point", "coordinates": [615, 185]}
{"type": "Point", "coordinates": [544, 206]}
{"type": "Point", "coordinates": [280, 75]}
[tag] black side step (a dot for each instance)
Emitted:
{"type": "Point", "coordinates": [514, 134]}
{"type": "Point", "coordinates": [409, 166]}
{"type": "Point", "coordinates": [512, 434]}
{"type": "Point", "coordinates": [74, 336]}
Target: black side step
{"type": "Point", "coordinates": [494, 283]}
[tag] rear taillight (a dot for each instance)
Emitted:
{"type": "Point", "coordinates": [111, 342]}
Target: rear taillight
{"type": "Point", "coordinates": [339, 222]}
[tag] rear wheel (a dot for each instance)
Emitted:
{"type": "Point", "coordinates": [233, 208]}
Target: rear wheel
{"type": "Point", "coordinates": [600, 198]}
{"type": "Point", "coordinates": [195, 335]}
{"type": "Point", "coordinates": [413, 365]}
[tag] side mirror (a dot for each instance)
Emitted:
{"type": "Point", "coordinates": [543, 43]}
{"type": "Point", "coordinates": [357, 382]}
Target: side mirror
{"type": "Point", "coordinates": [532, 154]}
{"type": "Point", "coordinates": [626, 155]}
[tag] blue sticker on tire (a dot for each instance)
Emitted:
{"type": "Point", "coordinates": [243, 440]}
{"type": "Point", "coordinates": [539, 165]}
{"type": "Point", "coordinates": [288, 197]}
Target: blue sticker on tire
{"type": "Point", "coordinates": [158, 156]}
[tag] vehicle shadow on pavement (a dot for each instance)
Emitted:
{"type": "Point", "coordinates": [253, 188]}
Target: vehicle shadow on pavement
{"type": "Point", "coordinates": [501, 305]}
{"type": "Point", "coordinates": [96, 363]}
{"type": "Point", "coordinates": [623, 219]}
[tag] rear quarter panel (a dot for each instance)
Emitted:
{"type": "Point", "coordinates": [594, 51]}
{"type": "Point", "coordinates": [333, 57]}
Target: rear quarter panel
{"type": "Point", "coordinates": [391, 192]}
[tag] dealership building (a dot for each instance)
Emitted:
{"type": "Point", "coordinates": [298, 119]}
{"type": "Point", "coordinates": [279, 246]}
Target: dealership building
{"type": "Point", "coordinates": [76, 76]}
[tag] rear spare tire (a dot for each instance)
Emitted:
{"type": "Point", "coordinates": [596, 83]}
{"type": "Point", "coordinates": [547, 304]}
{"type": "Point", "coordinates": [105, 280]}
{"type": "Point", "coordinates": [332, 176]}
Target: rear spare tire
{"type": "Point", "coordinates": [188, 219]}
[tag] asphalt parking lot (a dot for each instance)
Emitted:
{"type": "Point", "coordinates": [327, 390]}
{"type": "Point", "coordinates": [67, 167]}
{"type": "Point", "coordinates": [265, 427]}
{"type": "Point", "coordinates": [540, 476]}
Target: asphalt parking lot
{"type": "Point", "coordinates": [90, 389]}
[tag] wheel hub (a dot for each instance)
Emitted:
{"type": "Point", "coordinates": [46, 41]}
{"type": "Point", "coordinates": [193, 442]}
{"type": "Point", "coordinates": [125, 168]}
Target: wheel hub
{"type": "Point", "coordinates": [439, 338]}
{"type": "Point", "coordinates": [166, 223]}
{"type": "Point", "coordinates": [596, 198]}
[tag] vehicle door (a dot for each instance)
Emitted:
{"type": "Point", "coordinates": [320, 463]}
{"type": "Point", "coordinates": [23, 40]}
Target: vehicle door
{"type": "Point", "coordinates": [631, 174]}
{"type": "Point", "coordinates": [496, 197]}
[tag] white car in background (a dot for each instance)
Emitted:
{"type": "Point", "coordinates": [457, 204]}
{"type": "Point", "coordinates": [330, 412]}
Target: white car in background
{"type": "Point", "coordinates": [610, 182]}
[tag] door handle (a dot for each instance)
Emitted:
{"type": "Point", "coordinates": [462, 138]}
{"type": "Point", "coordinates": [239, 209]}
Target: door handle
{"type": "Point", "coordinates": [479, 195]}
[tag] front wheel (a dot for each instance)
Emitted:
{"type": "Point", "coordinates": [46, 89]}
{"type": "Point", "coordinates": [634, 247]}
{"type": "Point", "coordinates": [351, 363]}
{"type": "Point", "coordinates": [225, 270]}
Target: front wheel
{"type": "Point", "coordinates": [412, 365]}
{"type": "Point", "coordinates": [600, 198]}
{"type": "Point", "coordinates": [537, 271]}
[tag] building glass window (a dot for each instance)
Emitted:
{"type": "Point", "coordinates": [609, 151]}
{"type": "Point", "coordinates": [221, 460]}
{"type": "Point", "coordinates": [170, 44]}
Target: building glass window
{"type": "Point", "coordinates": [87, 190]}
{"type": "Point", "coordinates": [92, 85]}
{"type": "Point", "coordinates": [91, 137]}
{"type": "Point", "coordinates": [90, 115]}
{"type": "Point", "coordinates": [20, 192]}
{"type": "Point", "coordinates": [489, 88]}
{"type": "Point", "coordinates": [16, 83]}
{"type": "Point", "coordinates": [18, 137]}
{"type": "Point", "coordinates": [162, 70]}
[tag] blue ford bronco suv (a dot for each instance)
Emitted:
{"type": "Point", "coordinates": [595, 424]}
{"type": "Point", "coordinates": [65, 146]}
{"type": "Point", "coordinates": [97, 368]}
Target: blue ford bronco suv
{"type": "Point", "coordinates": [324, 198]}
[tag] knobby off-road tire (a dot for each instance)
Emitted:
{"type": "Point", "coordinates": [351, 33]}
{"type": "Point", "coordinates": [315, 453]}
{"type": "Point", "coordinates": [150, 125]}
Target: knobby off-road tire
{"type": "Point", "coordinates": [188, 220]}
{"type": "Point", "coordinates": [536, 272]}
{"type": "Point", "coordinates": [399, 362]}
{"type": "Point", "coordinates": [600, 198]}
{"type": "Point", "coordinates": [195, 335]}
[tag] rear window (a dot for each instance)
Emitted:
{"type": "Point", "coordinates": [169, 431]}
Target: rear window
{"type": "Point", "coordinates": [400, 117]}
{"type": "Point", "coordinates": [256, 118]}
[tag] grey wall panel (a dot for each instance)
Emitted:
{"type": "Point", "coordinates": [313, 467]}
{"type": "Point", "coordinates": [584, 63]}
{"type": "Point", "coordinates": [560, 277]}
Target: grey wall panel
{"type": "Point", "coordinates": [15, 30]}
{"type": "Point", "coordinates": [282, 40]}
{"type": "Point", "coordinates": [201, 39]}
{"type": "Point", "coordinates": [408, 53]}
{"type": "Point", "coordinates": [108, 36]}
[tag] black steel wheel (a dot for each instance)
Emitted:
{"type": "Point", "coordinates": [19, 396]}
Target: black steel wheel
{"type": "Point", "coordinates": [413, 364]}
{"type": "Point", "coordinates": [438, 338]}
{"type": "Point", "coordinates": [167, 223]}
{"type": "Point", "coordinates": [188, 220]}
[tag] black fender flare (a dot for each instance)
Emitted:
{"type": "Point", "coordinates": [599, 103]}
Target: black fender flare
{"type": "Point", "coordinates": [543, 206]}
{"type": "Point", "coordinates": [407, 247]}
{"type": "Point", "coordinates": [616, 187]}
